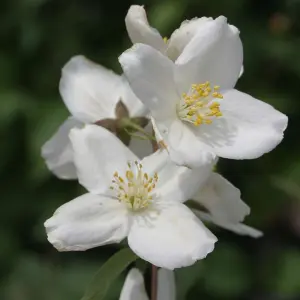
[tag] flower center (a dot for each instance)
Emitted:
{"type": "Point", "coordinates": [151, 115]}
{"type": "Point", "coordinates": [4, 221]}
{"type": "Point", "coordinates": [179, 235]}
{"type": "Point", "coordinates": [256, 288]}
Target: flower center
{"type": "Point", "coordinates": [201, 104]}
{"type": "Point", "coordinates": [135, 189]}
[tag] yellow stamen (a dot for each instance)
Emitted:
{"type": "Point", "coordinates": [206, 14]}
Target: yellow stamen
{"type": "Point", "coordinates": [200, 105]}
{"type": "Point", "coordinates": [135, 188]}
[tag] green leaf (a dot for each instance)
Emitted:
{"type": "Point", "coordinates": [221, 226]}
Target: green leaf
{"type": "Point", "coordinates": [283, 273]}
{"type": "Point", "coordinates": [108, 273]}
{"type": "Point", "coordinates": [290, 187]}
{"type": "Point", "coordinates": [187, 277]}
{"type": "Point", "coordinates": [225, 275]}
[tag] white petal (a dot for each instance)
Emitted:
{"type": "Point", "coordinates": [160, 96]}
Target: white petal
{"type": "Point", "coordinates": [87, 222]}
{"type": "Point", "coordinates": [242, 71]}
{"type": "Point", "coordinates": [141, 147]}
{"type": "Point", "coordinates": [222, 200]}
{"type": "Point", "coordinates": [170, 237]}
{"type": "Point", "coordinates": [135, 107]}
{"type": "Point", "coordinates": [155, 162]}
{"type": "Point", "coordinates": [90, 91]}
{"type": "Point", "coordinates": [134, 287]}
{"type": "Point", "coordinates": [158, 135]}
{"type": "Point", "coordinates": [184, 146]}
{"type": "Point", "coordinates": [238, 228]}
{"type": "Point", "coordinates": [58, 152]}
{"type": "Point", "coordinates": [166, 285]}
{"type": "Point", "coordinates": [98, 154]}
{"type": "Point", "coordinates": [180, 183]}
{"type": "Point", "coordinates": [140, 31]}
{"type": "Point", "coordinates": [214, 54]}
{"type": "Point", "coordinates": [175, 183]}
{"type": "Point", "coordinates": [248, 129]}
{"type": "Point", "coordinates": [151, 78]}
{"type": "Point", "coordinates": [243, 229]}
{"type": "Point", "coordinates": [183, 35]}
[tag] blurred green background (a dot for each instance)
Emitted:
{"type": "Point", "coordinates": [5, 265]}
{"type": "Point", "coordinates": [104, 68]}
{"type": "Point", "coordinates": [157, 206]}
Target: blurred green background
{"type": "Point", "coordinates": [37, 38]}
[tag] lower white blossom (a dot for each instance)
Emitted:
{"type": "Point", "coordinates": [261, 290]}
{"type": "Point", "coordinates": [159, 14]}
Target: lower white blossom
{"type": "Point", "coordinates": [91, 94]}
{"type": "Point", "coordinates": [225, 207]}
{"type": "Point", "coordinates": [134, 287]}
{"type": "Point", "coordinates": [141, 200]}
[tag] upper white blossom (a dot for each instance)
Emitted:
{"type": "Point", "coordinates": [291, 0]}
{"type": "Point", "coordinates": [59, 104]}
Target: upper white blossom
{"type": "Point", "coordinates": [134, 287]}
{"type": "Point", "coordinates": [192, 100]}
{"type": "Point", "coordinates": [140, 31]}
{"type": "Point", "coordinates": [224, 206]}
{"type": "Point", "coordinates": [128, 197]}
{"type": "Point", "coordinates": [91, 93]}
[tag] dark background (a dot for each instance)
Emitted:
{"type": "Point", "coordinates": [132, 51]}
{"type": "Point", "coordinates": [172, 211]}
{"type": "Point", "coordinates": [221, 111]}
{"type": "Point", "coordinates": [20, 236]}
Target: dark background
{"type": "Point", "coordinates": [37, 37]}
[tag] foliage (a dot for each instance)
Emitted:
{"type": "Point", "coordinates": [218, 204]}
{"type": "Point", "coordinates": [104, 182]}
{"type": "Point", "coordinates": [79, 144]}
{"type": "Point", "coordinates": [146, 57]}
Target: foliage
{"type": "Point", "coordinates": [110, 270]}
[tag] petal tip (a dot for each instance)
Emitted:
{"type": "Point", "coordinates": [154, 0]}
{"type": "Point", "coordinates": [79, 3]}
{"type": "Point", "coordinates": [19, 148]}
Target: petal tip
{"type": "Point", "coordinates": [207, 249]}
{"type": "Point", "coordinates": [136, 275]}
{"type": "Point", "coordinates": [129, 51]}
{"type": "Point", "coordinates": [73, 63]}
{"type": "Point", "coordinates": [50, 227]}
{"type": "Point", "coordinates": [135, 11]}
{"type": "Point", "coordinates": [57, 244]}
{"type": "Point", "coordinates": [221, 19]}
{"type": "Point", "coordinates": [284, 121]}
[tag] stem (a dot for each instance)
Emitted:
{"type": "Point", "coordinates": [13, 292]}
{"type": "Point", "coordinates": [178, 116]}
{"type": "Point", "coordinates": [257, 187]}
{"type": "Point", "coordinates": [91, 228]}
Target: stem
{"type": "Point", "coordinates": [128, 123]}
{"type": "Point", "coordinates": [154, 270]}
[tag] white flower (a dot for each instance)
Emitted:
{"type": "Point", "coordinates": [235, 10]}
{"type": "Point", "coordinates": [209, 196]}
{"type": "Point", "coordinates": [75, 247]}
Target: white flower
{"type": "Point", "coordinates": [192, 101]}
{"type": "Point", "coordinates": [91, 93]}
{"type": "Point", "coordinates": [134, 287]}
{"type": "Point", "coordinates": [141, 200]}
{"type": "Point", "coordinates": [140, 31]}
{"type": "Point", "coordinates": [224, 205]}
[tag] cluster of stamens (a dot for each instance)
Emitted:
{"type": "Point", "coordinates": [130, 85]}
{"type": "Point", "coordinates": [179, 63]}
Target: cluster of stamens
{"type": "Point", "coordinates": [135, 189]}
{"type": "Point", "coordinates": [199, 105]}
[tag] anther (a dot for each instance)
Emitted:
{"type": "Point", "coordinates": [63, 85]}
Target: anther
{"type": "Point", "coordinates": [197, 107]}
